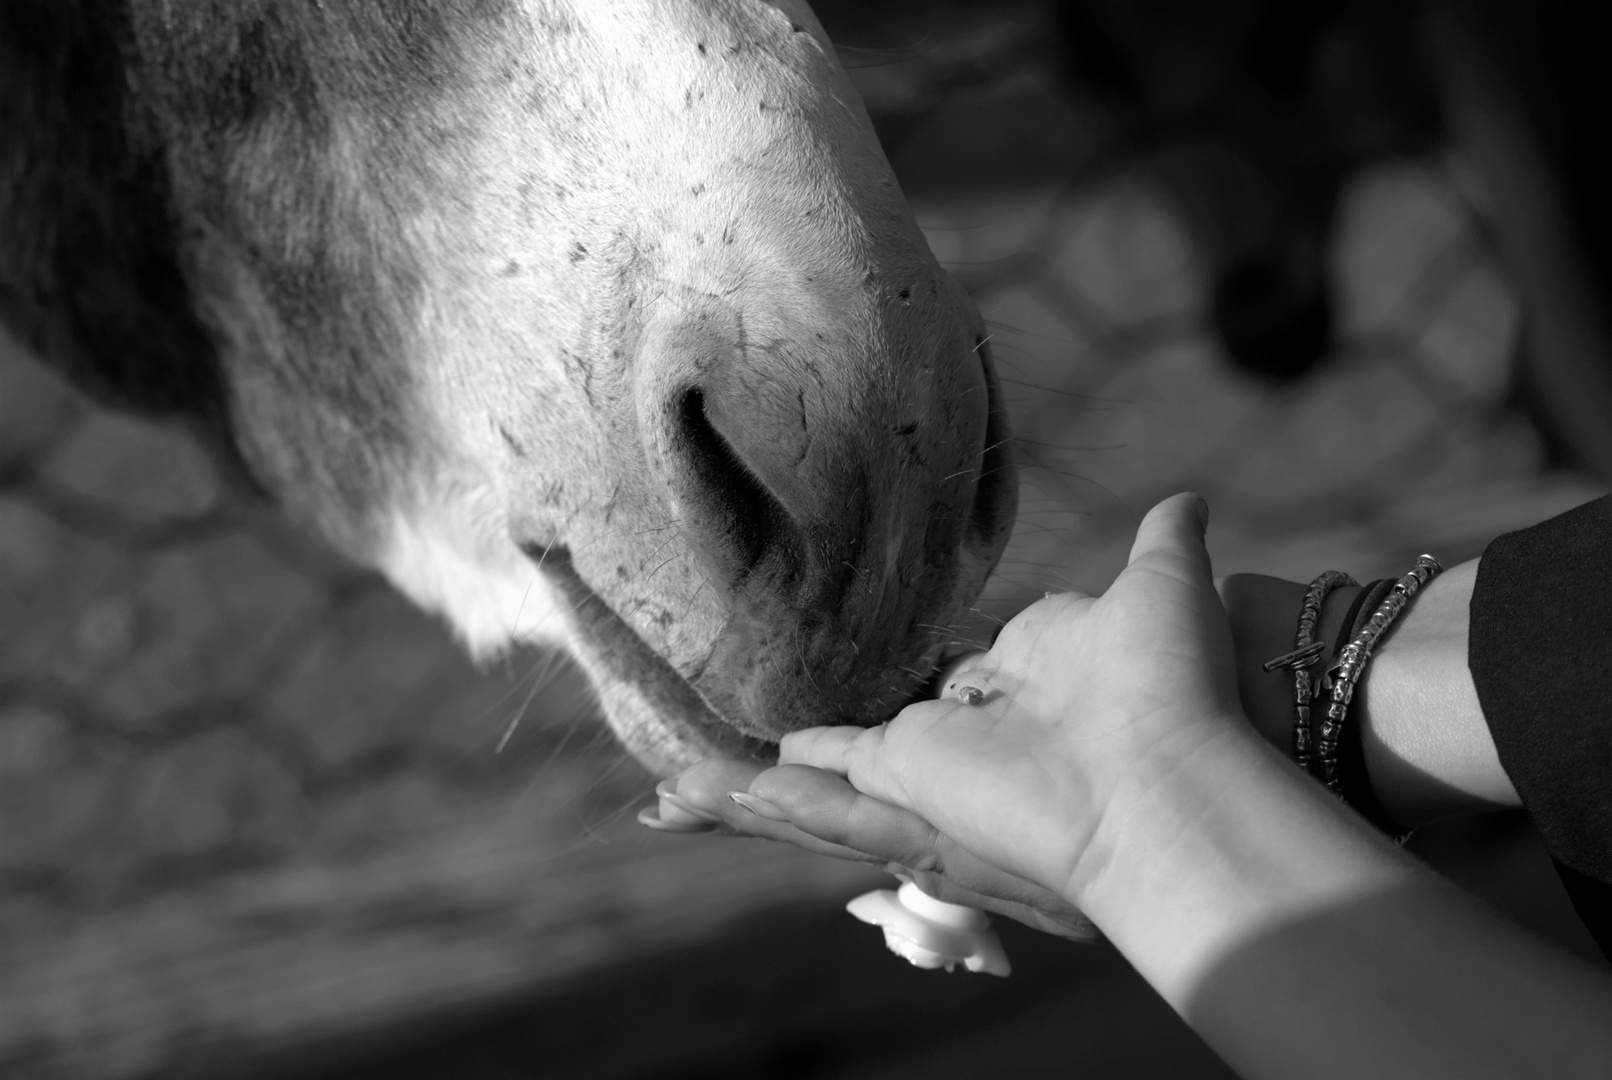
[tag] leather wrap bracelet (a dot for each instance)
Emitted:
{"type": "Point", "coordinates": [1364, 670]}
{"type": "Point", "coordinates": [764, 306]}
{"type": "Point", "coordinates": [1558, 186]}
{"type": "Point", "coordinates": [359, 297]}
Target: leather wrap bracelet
{"type": "Point", "coordinates": [1321, 748]}
{"type": "Point", "coordinates": [1305, 655]}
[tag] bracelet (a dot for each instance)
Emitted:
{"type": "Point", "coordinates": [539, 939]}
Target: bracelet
{"type": "Point", "coordinates": [1334, 753]}
{"type": "Point", "coordinates": [1306, 653]}
{"type": "Point", "coordinates": [1346, 668]}
{"type": "Point", "coordinates": [1354, 783]}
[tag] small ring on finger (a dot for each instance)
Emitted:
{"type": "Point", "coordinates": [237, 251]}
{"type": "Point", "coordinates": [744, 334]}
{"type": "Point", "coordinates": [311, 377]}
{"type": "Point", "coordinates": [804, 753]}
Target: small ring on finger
{"type": "Point", "coordinates": [970, 695]}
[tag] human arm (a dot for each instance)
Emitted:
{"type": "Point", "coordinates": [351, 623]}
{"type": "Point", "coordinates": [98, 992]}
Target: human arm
{"type": "Point", "coordinates": [1110, 765]}
{"type": "Point", "coordinates": [1428, 751]}
{"type": "Point", "coordinates": [1297, 941]}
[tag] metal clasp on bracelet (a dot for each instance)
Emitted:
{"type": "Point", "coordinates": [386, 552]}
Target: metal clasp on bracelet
{"type": "Point", "coordinates": [1308, 656]}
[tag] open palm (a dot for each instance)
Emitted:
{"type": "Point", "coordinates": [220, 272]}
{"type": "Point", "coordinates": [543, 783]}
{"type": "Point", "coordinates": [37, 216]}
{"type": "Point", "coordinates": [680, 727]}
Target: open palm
{"type": "Point", "coordinates": [1002, 798]}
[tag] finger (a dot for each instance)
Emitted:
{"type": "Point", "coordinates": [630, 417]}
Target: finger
{"type": "Point", "coordinates": [673, 814]}
{"type": "Point", "coordinates": [688, 809]}
{"type": "Point", "coordinates": [743, 822]}
{"type": "Point", "coordinates": [727, 790]}
{"type": "Point", "coordinates": [1171, 536]}
{"type": "Point", "coordinates": [704, 786]}
{"type": "Point", "coordinates": [697, 800]}
{"type": "Point", "coordinates": [826, 807]}
{"type": "Point", "coordinates": [832, 749]}
{"type": "Point", "coordinates": [1038, 908]}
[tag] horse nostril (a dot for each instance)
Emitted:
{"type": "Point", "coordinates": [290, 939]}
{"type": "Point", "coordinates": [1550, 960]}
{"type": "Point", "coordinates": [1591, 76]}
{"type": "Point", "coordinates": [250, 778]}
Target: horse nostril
{"type": "Point", "coordinates": [994, 495]}
{"type": "Point", "coordinates": [741, 515]}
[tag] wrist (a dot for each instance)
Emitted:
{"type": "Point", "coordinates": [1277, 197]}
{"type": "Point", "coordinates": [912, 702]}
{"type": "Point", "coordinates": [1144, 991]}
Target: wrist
{"type": "Point", "coordinates": [1296, 941]}
{"type": "Point", "coordinates": [1164, 800]}
{"type": "Point", "coordinates": [1183, 869]}
{"type": "Point", "coordinates": [1427, 747]}
{"type": "Point", "coordinates": [1263, 612]}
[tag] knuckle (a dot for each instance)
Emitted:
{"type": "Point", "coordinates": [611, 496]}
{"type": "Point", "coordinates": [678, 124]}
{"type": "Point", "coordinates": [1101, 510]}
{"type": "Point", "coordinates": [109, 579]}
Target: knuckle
{"type": "Point", "coordinates": [928, 856]}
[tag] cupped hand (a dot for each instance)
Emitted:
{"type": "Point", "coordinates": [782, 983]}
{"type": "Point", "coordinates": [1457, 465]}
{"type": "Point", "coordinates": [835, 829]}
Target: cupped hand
{"type": "Point", "coordinates": [1083, 699]}
{"type": "Point", "coordinates": [821, 812]}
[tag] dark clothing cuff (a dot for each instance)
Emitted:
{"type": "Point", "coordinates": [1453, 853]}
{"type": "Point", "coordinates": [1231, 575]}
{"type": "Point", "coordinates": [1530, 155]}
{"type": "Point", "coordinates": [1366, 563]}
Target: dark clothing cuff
{"type": "Point", "coordinates": [1540, 653]}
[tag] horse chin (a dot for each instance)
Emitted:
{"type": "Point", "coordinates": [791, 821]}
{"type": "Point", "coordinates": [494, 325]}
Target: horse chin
{"type": "Point", "coordinates": [541, 597]}
{"type": "Point", "coordinates": [658, 716]}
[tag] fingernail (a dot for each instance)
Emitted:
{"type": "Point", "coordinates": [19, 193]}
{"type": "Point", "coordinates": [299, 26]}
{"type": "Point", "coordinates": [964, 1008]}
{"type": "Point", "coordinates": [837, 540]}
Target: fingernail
{"type": "Point", "coordinates": [758, 807]}
{"type": "Point", "coordinates": [1203, 515]}
{"type": "Point", "coordinates": [667, 790]}
{"type": "Point", "coordinates": [677, 802]}
{"type": "Point", "coordinates": [649, 818]}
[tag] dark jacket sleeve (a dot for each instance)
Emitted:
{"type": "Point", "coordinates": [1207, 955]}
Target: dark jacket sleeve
{"type": "Point", "coordinates": [1540, 653]}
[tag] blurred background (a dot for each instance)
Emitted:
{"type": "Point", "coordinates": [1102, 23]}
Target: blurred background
{"type": "Point", "coordinates": [260, 818]}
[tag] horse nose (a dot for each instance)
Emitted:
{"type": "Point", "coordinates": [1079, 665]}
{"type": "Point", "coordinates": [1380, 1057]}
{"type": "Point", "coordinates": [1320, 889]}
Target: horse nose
{"type": "Point", "coordinates": [737, 478]}
{"type": "Point", "coordinates": [845, 491]}
{"type": "Point", "coordinates": [817, 461]}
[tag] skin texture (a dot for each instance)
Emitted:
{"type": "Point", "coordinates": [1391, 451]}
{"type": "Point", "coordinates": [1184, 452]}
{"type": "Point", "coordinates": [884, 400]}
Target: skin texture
{"type": "Point", "coordinates": [601, 324]}
{"type": "Point", "coordinates": [1110, 764]}
{"type": "Point", "coordinates": [1427, 747]}
{"type": "Point", "coordinates": [1428, 752]}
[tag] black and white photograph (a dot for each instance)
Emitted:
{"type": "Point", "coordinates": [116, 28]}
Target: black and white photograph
{"type": "Point", "coordinates": [805, 540]}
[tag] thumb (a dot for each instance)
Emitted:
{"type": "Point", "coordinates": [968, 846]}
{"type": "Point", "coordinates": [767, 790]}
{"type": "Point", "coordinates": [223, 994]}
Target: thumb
{"type": "Point", "coordinates": [1170, 538]}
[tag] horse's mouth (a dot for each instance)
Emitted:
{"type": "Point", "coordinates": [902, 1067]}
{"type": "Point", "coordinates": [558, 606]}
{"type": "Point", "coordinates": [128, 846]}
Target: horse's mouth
{"type": "Point", "coordinates": [654, 710]}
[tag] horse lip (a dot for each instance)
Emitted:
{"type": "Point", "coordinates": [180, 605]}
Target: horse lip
{"type": "Point", "coordinates": [686, 727]}
{"type": "Point", "coordinates": [689, 728]}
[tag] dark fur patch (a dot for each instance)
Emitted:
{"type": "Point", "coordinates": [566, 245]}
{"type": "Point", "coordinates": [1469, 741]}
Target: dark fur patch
{"type": "Point", "coordinates": [196, 181]}
{"type": "Point", "coordinates": [89, 246]}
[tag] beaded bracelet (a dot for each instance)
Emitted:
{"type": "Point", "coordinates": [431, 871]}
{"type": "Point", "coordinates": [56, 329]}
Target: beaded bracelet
{"type": "Point", "coordinates": [1365, 605]}
{"type": "Point", "coordinates": [1337, 761]}
{"type": "Point", "coordinates": [1354, 784]}
{"type": "Point", "coordinates": [1346, 668]}
{"type": "Point", "coordinates": [1306, 653]}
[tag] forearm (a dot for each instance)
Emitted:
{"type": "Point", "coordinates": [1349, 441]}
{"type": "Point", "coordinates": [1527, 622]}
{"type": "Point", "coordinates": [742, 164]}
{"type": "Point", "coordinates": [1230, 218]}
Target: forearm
{"type": "Point", "coordinates": [1427, 747]}
{"type": "Point", "coordinates": [1299, 943]}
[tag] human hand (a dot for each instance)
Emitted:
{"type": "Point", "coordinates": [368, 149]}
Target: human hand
{"type": "Point", "coordinates": [1083, 697]}
{"type": "Point", "coordinates": [814, 809]}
